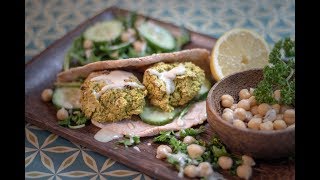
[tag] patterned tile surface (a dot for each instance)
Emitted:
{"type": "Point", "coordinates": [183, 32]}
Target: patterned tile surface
{"type": "Point", "coordinates": [48, 156]}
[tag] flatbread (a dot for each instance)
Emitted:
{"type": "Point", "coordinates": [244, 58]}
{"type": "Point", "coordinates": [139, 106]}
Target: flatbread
{"type": "Point", "coordinates": [198, 56]}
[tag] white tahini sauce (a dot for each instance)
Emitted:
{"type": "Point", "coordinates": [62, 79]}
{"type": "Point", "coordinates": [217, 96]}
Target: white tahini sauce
{"type": "Point", "coordinates": [115, 80]}
{"type": "Point", "coordinates": [168, 76]}
{"type": "Point", "coordinates": [136, 148]}
{"type": "Point", "coordinates": [106, 135]}
{"type": "Point", "coordinates": [181, 158]}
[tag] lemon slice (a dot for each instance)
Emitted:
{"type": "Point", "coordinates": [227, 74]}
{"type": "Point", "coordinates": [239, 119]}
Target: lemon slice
{"type": "Point", "coordinates": [238, 50]}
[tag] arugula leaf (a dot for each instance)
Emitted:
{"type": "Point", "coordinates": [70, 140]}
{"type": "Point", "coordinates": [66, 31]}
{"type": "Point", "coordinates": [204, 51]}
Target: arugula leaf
{"type": "Point", "coordinates": [129, 141]}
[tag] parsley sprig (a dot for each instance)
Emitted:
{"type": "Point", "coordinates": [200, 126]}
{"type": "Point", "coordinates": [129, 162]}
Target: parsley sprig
{"type": "Point", "coordinates": [75, 118]}
{"type": "Point", "coordinates": [280, 74]}
{"type": "Point", "coordinates": [129, 141]}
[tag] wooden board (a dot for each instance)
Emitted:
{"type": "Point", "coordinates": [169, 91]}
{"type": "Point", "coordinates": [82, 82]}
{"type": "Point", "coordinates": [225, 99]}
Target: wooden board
{"type": "Point", "coordinates": [40, 73]}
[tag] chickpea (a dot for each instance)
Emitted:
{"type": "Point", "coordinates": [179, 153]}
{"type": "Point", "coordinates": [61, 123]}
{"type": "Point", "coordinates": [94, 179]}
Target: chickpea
{"type": "Point", "coordinates": [270, 115]}
{"type": "Point", "coordinates": [125, 37]}
{"type": "Point", "coordinates": [195, 150]}
{"type": "Point", "coordinates": [233, 107]}
{"type": "Point", "coordinates": [254, 110]}
{"type": "Point", "coordinates": [163, 151]}
{"type": "Point", "coordinates": [258, 116]}
{"type": "Point", "coordinates": [240, 113]}
{"type": "Point", "coordinates": [46, 95]}
{"type": "Point", "coordinates": [227, 96]}
{"type": "Point", "coordinates": [191, 171]}
{"type": "Point", "coordinates": [205, 169]}
{"type": "Point", "coordinates": [226, 103]}
{"type": "Point", "coordinates": [289, 116]}
{"type": "Point", "coordinates": [245, 104]}
{"type": "Point", "coordinates": [189, 140]}
{"type": "Point", "coordinates": [225, 162]}
{"type": "Point", "coordinates": [263, 108]}
{"type": "Point", "coordinates": [227, 110]}
{"type": "Point", "coordinates": [244, 94]}
{"type": "Point", "coordinates": [87, 44]}
{"type": "Point", "coordinates": [247, 160]}
{"type": "Point", "coordinates": [240, 124]}
{"type": "Point", "coordinates": [268, 126]}
{"type": "Point", "coordinates": [254, 123]}
{"type": "Point", "coordinates": [279, 124]}
{"type": "Point", "coordinates": [244, 171]}
{"type": "Point", "coordinates": [279, 116]}
{"type": "Point", "coordinates": [228, 116]}
{"type": "Point", "coordinates": [248, 115]}
{"type": "Point", "coordinates": [139, 46]}
{"type": "Point", "coordinates": [131, 31]}
{"type": "Point", "coordinates": [276, 107]}
{"type": "Point", "coordinates": [251, 91]}
{"type": "Point", "coordinates": [284, 108]}
{"type": "Point", "coordinates": [252, 100]}
{"type": "Point", "coordinates": [292, 126]}
{"type": "Point", "coordinates": [277, 95]}
{"type": "Point", "coordinates": [62, 114]}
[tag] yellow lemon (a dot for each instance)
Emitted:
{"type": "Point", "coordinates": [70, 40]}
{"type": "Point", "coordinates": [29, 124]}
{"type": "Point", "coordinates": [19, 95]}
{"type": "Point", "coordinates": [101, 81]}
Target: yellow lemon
{"type": "Point", "coordinates": [238, 50]}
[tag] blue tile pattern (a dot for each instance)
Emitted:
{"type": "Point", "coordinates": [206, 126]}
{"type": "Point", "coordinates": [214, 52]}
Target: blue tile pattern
{"type": "Point", "coordinates": [48, 156]}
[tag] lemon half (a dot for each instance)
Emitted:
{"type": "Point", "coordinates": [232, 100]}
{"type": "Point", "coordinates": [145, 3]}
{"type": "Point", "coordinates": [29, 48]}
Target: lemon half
{"type": "Point", "coordinates": [238, 50]}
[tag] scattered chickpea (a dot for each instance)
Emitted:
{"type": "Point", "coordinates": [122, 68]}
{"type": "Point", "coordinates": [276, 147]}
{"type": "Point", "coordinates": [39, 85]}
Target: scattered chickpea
{"type": "Point", "coordinates": [191, 171]}
{"type": "Point", "coordinates": [252, 101]}
{"type": "Point", "coordinates": [139, 46]}
{"type": "Point", "coordinates": [225, 162]}
{"type": "Point", "coordinates": [87, 44]}
{"type": "Point", "coordinates": [244, 94]}
{"type": "Point", "coordinates": [263, 108]}
{"type": "Point", "coordinates": [244, 171]}
{"type": "Point", "coordinates": [189, 140]}
{"type": "Point", "coordinates": [245, 104]}
{"type": "Point", "coordinates": [240, 124]}
{"type": "Point", "coordinates": [279, 124]}
{"type": "Point", "coordinates": [228, 116]}
{"type": "Point", "coordinates": [205, 169]}
{"type": "Point", "coordinates": [270, 116]}
{"type": "Point", "coordinates": [46, 95]}
{"type": "Point", "coordinates": [254, 123]}
{"type": "Point", "coordinates": [276, 107]}
{"type": "Point", "coordinates": [289, 116]}
{"type": "Point", "coordinates": [195, 150]}
{"type": "Point", "coordinates": [234, 106]}
{"type": "Point", "coordinates": [268, 126]}
{"type": "Point", "coordinates": [62, 114]}
{"type": "Point", "coordinates": [277, 95]}
{"type": "Point", "coordinates": [131, 31]}
{"type": "Point", "coordinates": [240, 113]}
{"type": "Point", "coordinates": [125, 37]}
{"type": "Point", "coordinates": [247, 160]}
{"type": "Point", "coordinates": [254, 110]}
{"type": "Point", "coordinates": [163, 151]}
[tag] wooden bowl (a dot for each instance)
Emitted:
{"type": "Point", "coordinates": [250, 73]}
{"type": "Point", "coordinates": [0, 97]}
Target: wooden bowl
{"type": "Point", "coordinates": [258, 144]}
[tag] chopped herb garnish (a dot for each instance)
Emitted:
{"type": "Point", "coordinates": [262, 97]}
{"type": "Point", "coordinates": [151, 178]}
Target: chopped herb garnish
{"type": "Point", "coordinates": [279, 74]}
{"type": "Point", "coordinates": [130, 140]}
{"type": "Point", "coordinates": [75, 118]}
{"type": "Point", "coordinates": [191, 132]}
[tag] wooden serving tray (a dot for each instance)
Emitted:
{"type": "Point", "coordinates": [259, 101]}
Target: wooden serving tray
{"type": "Point", "coordinates": [41, 71]}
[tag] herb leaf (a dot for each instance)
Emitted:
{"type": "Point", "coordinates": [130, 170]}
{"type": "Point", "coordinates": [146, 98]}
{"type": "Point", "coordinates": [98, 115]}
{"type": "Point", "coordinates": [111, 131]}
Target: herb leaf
{"type": "Point", "coordinates": [129, 141]}
{"type": "Point", "coordinates": [191, 132]}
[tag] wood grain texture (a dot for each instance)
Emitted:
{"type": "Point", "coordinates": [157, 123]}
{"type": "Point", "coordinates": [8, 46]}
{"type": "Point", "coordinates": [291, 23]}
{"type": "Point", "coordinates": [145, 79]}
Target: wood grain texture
{"type": "Point", "coordinates": [40, 73]}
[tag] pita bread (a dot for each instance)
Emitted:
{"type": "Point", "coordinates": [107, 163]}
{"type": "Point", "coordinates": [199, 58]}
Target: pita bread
{"type": "Point", "coordinates": [198, 56]}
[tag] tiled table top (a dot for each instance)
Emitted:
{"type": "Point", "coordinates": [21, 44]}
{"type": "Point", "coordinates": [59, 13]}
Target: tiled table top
{"type": "Point", "coordinates": [48, 156]}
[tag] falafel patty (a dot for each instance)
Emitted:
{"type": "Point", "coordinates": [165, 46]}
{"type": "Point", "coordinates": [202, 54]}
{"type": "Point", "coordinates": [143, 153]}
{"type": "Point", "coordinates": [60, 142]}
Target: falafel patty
{"type": "Point", "coordinates": [174, 84]}
{"type": "Point", "coordinates": [109, 96]}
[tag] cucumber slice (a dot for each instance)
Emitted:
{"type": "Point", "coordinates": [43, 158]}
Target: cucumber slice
{"type": "Point", "coordinates": [104, 31]}
{"type": "Point", "coordinates": [67, 97]}
{"type": "Point", "coordinates": [157, 36]}
{"type": "Point", "coordinates": [155, 116]}
{"type": "Point", "coordinates": [205, 88]}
